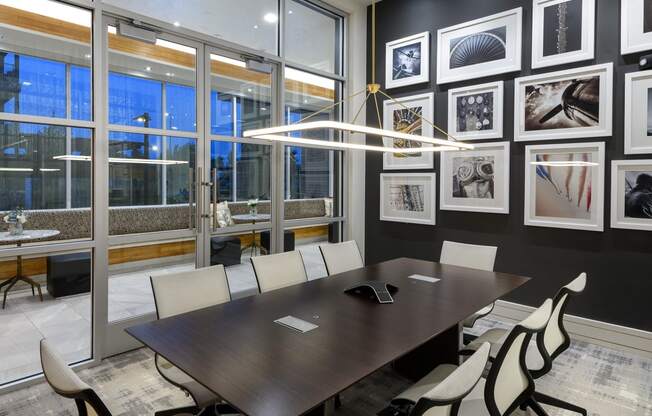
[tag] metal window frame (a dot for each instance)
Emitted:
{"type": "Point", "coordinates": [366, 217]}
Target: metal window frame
{"type": "Point", "coordinates": [100, 241]}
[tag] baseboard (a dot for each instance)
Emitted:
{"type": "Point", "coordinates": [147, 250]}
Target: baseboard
{"type": "Point", "coordinates": [602, 333]}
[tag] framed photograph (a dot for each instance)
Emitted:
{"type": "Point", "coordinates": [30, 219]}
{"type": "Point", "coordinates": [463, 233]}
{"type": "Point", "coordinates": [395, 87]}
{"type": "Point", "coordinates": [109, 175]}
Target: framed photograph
{"type": "Point", "coordinates": [407, 61]}
{"type": "Point", "coordinates": [575, 103]}
{"type": "Point", "coordinates": [563, 31]}
{"type": "Point", "coordinates": [405, 115]}
{"type": "Point", "coordinates": [638, 112]}
{"type": "Point", "coordinates": [635, 26]}
{"type": "Point", "coordinates": [564, 186]}
{"type": "Point", "coordinates": [476, 112]}
{"type": "Point", "coordinates": [631, 194]}
{"type": "Point", "coordinates": [476, 180]}
{"type": "Point", "coordinates": [487, 46]}
{"type": "Point", "coordinates": [408, 197]}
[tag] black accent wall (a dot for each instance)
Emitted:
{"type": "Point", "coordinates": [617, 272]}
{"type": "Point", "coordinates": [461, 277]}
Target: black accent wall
{"type": "Point", "coordinates": [618, 262]}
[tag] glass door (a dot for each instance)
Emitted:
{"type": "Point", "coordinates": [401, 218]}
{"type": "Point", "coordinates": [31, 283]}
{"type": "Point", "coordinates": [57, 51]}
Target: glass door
{"type": "Point", "coordinates": [239, 209]}
{"type": "Point", "coordinates": [155, 175]}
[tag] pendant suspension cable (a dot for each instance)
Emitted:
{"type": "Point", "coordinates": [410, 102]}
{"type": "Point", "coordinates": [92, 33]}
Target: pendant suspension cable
{"type": "Point", "coordinates": [380, 122]}
{"type": "Point", "coordinates": [329, 107]}
{"type": "Point", "coordinates": [452, 138]}
{"type": "Point", "coordinates": [373, 42]}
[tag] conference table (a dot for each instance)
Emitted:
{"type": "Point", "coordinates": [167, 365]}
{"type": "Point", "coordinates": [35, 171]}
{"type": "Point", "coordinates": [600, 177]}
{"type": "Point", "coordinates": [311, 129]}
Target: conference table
{"type": "Point", "coordinates": [262, 368]}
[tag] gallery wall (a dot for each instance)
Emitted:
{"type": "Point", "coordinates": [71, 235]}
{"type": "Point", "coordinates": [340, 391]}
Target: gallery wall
{"type": "Point", "coordinates": [618, 261]}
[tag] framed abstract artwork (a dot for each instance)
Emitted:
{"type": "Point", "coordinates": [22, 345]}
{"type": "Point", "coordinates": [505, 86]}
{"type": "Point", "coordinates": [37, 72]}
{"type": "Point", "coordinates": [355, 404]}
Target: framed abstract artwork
{"type": "Point", "coordinates": [631, 194]}
{"type": "Point", "coordinates": [405, 115]}
{"type": "Point", "coordinates": [575, 103]}
{"type": "Point", "coordinates": [487, 46]}
{"type": "Point", "coordinates": [476, 112]}
{"type": "Point", "coordinates": [475, 180]}
{"type": "Point", "coordinates": [407, 61]}
{"type": "Point", "coordinates": [408, 197]}
{"type": "Point", "coordinates": [564, 186]}
{"type": "Point", "coordinates": [635, 26]}
{"type": "Point", "coordinates": [638, 112]}
{"type": "Point", "coordinates": [563, 31]}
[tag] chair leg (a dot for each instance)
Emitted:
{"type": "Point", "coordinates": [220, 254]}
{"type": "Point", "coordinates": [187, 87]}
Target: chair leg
{"type": "Point", "coordinates": [536, 407]}
{"type": "Point", "coordinates": [338, 401]}
{"type": "Point", "coordinates": [552, 401]}
{"type": "Point", "coordinates": [179, 410]}
{"type": "Point", "coordinates": [467, 338]}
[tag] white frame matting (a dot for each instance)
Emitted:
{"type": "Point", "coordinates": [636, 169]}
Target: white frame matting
{"type": "Point", "coordinates": [587, 50]}
{"type": "Point", "coordinates": [618, 218]}
{"type": "Point", "coordinates": [604, 127]}
{"type": "Point", "coordinates": [428, 180]}
{"type": "Point", "coordinates": [496, 132]}
{"type": "Point", "coordinates": [633, 37]}
{"type": "Point", "coordinates": [511, 19]}
{"type": "Point", "coordinates": [596, 222]}
{"type": "Point", "coordinates": [638, 91]}
{"type": "Point", "coordinates": [499, 204]}
{"type": "Point", "coordinates": [424, 76]}
{"type": "Point", "coordinates": [424, 160]}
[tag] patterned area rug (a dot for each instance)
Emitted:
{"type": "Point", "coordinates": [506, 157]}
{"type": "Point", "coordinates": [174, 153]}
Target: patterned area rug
{"type": "Point", "coordinates": [606, 382]}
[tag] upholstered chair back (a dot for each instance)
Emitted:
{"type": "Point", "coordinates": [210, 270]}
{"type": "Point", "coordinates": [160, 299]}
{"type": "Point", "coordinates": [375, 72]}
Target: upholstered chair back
{"type": "Point", "coordinates": [341, 257]}
{"type": "Point", "coordinates": [277, 271]}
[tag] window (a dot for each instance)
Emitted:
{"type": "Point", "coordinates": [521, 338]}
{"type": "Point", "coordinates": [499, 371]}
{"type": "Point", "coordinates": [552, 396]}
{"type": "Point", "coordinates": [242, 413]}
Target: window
{"type": "Point", "coordinates": [153, 90]}
{"type": "Point", "coordinates": [240, 98]}
{"type": "Point", "coordinates": [46, 159]}
{"type": "Point", "coordinates": [312, 176]}
{"type": "Point", "coordinates": [308, 25]}
{"type": "Point", "coordinates": [243, 171]}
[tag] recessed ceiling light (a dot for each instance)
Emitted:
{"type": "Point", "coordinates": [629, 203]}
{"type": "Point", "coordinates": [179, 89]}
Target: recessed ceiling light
{"type": "Point", "coordinates": [255, 26]}
{"type": "Point", "coordinates": [263, 108]}
{"type": "Point", "coordinates": [169, 74]}
{"type": "Point", "coordinates": [290, 12]}
{"type": "Point", "coordinates": [177, 24]}
{"type": "Point", "coordinates": [88, 56]}
{"type": "Point", "coordinates": [148, 68]}
{"type": "Point", "coordinates": [249, 90]}
{"type": "Point", "coordinates": [270, 17]}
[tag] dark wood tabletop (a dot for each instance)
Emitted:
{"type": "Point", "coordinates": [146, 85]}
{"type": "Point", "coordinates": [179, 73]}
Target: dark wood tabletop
{"type": "Point", "coordinates": [264, 369]}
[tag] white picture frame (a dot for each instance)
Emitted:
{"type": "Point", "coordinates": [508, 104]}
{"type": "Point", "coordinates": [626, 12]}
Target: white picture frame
{"type": "Point", "coordinates": [453, 197]}
{"type": "Point", "coordinates": [538, 100]}
{"type": "Point", "coordinates": [636, 220]}
{"type": "Point", "coordinates": [500, 34]}
{"type": "Point", "coordinates": [638, 113]}
{"type": "Point", "coordinates": [395, 113]}
{"type": "Point", "coordinates": [543, 24]}
{"type": "Point", "coordinates": [425, 212]}
{"type": "Point", "coordinates": [561, 196]}
{"type": "Point", "coordinates": [455, 95]}
{"type": "Point", "coordinates": [635, 30]}
{"type": "Point", "coordinates": [419, 41]}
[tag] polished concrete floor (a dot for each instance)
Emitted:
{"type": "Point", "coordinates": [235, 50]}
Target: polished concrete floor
{"type": "Point", "coordinates": [67, 321]}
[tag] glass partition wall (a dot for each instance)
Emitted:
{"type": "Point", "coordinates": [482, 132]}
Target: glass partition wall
{"type": "Point", "coordinates": [126, 156]}
{"type": "Point", "coordinates": [47, 137]}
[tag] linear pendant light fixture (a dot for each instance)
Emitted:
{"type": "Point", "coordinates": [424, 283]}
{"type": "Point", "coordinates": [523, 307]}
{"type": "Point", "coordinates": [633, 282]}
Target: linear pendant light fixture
{"type": "Point", "coordinates": [430, 144]}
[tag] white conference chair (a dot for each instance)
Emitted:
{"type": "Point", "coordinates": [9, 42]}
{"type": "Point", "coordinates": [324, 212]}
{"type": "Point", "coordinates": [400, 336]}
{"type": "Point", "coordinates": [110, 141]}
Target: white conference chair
{"type": "Point", "coordinates": [440, 393]}
{"type": "Point", "coordinates": [276, 271]}
{"type": "Point", "coordinates": [550, 343]}
{"type": "Point", "coordinates": [472, 256]}
{"type": "Point", "coordinates": [178, 293]}
{"type": "Point", "coordinates": [341, 257]}
{"type": "Point", "coordinates": [508, 384]}
{"type": "Point", "coordinates": [66, 383]}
